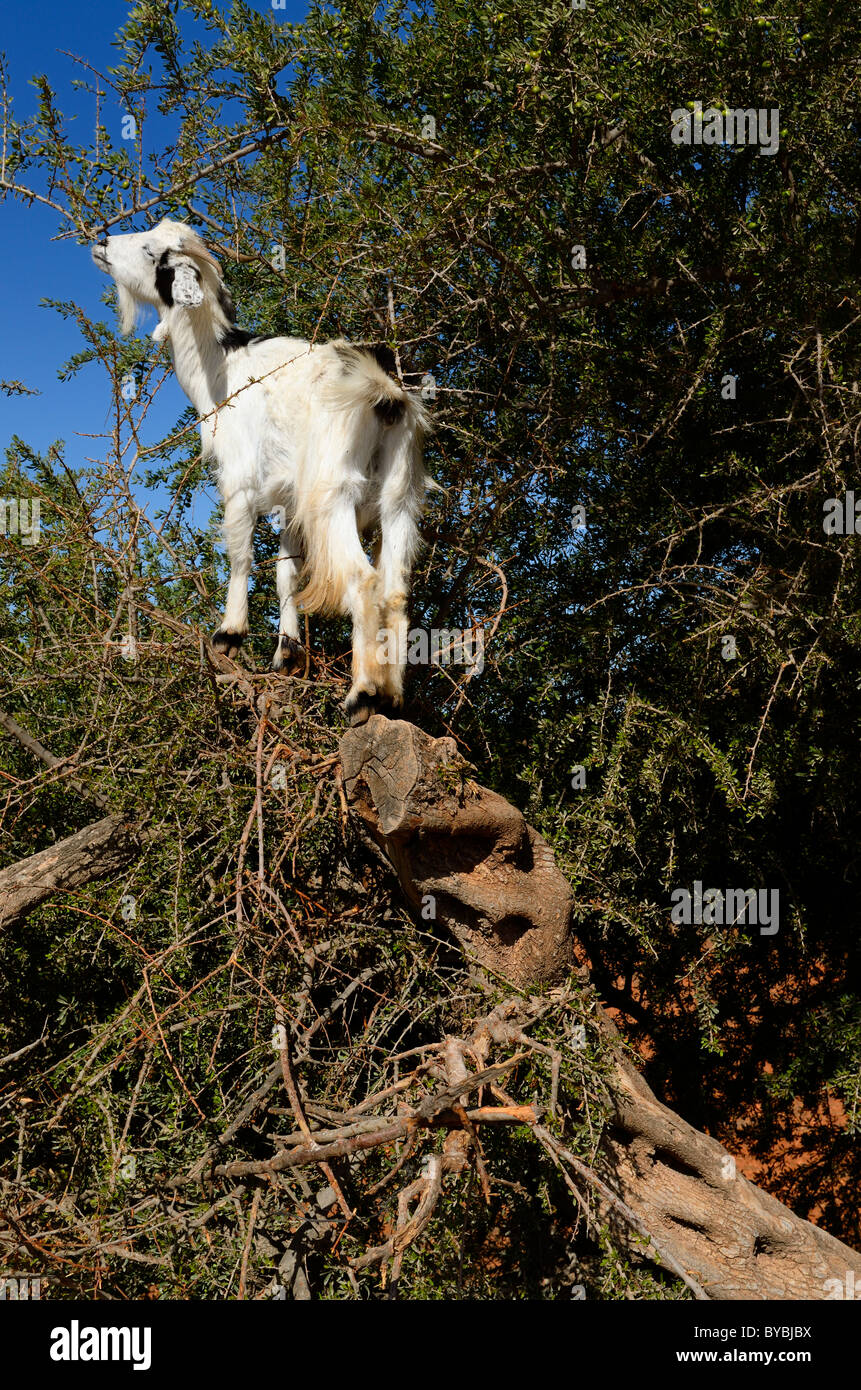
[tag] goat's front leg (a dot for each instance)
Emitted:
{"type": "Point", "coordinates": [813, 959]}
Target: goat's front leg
{"type": "Point", "coordinates": [240, 518]}
{"type": "Point", "coordinates": [289, 653]}
{"type": "Point", "coordinates": [398, 544]}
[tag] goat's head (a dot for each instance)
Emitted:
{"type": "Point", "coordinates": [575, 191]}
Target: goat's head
{"type": "Point", "coordinates": [168, 268]}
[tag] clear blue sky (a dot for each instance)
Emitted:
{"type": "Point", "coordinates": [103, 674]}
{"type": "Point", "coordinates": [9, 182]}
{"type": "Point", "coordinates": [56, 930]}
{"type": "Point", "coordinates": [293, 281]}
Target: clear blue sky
{"type": "Point", "coordinates": [36, 340]}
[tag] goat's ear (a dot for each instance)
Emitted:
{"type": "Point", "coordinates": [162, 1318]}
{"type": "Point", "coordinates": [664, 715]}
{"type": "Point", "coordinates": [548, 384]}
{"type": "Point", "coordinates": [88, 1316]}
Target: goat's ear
{"type": "Point", "coordinates": [187, 289]}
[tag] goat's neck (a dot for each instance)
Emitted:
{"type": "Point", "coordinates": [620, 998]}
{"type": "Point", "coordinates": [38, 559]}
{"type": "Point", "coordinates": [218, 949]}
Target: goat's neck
{"type": "Point", "coordinates": [198, 357]}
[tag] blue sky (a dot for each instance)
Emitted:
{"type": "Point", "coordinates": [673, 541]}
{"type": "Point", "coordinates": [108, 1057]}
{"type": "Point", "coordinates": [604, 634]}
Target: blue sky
{"type": "Point", "coordinates": [36, 340]}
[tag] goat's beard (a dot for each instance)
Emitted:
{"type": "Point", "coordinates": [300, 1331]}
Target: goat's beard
{"type": "Point", "coordinates": [127, 307]}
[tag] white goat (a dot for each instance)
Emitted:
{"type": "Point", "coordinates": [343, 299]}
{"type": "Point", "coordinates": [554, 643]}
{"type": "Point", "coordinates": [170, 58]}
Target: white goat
{"type": "Point", "coordinates": [322, 435]}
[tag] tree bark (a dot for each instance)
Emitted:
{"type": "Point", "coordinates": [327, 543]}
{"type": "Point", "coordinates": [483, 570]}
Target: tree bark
{"type": "Point", "coordinates": [464, 855]}
{"type": "Point", "coordinates": [99, 849]}
{"type": "Point", "coordinates": [493, 881]}
{"type": "Point", "coordinates": [735, 1239]}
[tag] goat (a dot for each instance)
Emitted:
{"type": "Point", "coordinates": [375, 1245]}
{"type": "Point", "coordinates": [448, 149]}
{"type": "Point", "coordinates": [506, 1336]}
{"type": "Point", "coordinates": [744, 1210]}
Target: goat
{"type": "Point", "coordinates": [320, 434]}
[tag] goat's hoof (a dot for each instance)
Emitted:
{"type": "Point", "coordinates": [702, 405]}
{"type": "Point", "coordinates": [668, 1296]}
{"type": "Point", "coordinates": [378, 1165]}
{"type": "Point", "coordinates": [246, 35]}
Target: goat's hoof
{"type": "Point", "coordinates": [228, 643]}
{"type": "Point", "coordinates": [361, 704]}
{"type": "Point", "coordinates": [289, 657]}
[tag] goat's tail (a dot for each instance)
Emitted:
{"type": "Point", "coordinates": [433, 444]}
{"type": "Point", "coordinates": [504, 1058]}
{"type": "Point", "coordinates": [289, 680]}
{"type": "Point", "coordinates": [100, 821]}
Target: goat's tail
{"type": "Point", "coordinates": [364, 380]}
{"type": "Point", "coordinates": [362, 386]}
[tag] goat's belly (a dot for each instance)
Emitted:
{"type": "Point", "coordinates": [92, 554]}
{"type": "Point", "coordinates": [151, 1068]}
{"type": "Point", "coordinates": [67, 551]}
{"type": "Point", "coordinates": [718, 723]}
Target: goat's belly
{"type": "Point", "coordinates": [278, 467]}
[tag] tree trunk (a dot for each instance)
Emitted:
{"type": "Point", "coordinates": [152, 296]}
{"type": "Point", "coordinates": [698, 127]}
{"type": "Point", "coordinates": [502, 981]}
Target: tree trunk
{"type": "Point", "coordinates": [464, 855]}
{"type": "Point", "coordinates": [493, 881]}
{"type": "Point", "coordinates": [736, 1240]}
{"type": "Point", "coordinates": [98, 849]}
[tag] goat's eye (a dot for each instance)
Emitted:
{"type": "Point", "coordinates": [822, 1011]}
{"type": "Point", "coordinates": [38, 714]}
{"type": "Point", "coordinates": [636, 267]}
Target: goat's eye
{"type": "Point", "coordinates": [149, 253]}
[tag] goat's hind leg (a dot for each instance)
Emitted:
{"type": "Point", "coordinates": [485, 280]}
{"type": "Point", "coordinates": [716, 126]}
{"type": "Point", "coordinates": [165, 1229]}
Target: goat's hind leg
{"type": "Point", "coordinates": [289, 654]}
{"type": "Point", "coordinates": [359, 585]}
{"type": "Point", "coordinates": [240, 518]}
{"type": "Point", "coordinates": [400, 503]}
{"type": "Point", "coordinates": [367, 693]}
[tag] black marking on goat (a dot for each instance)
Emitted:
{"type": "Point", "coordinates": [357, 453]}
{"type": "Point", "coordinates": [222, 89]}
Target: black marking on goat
{"type": "Point", "coordinates": [227, 642]}
{"type": "Point", "coordinates": [389, 411]}
{"type": "Point", "coordinates": [164, 282]}
{"type": "Point", "coordinates": [382, 355]}
{"type": "Point", "coordinates": [233, 338]}
{"type": "Point", "coordinates": [363, 703]}
{"type": "Point", "coordinates": [225, 301]}
{"type": "Point", "coordinates": [289, 656]}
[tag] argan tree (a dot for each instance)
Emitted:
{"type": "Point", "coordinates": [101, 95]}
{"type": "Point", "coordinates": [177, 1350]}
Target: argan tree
{"type": "Point", "coordinates": [637, 325]}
